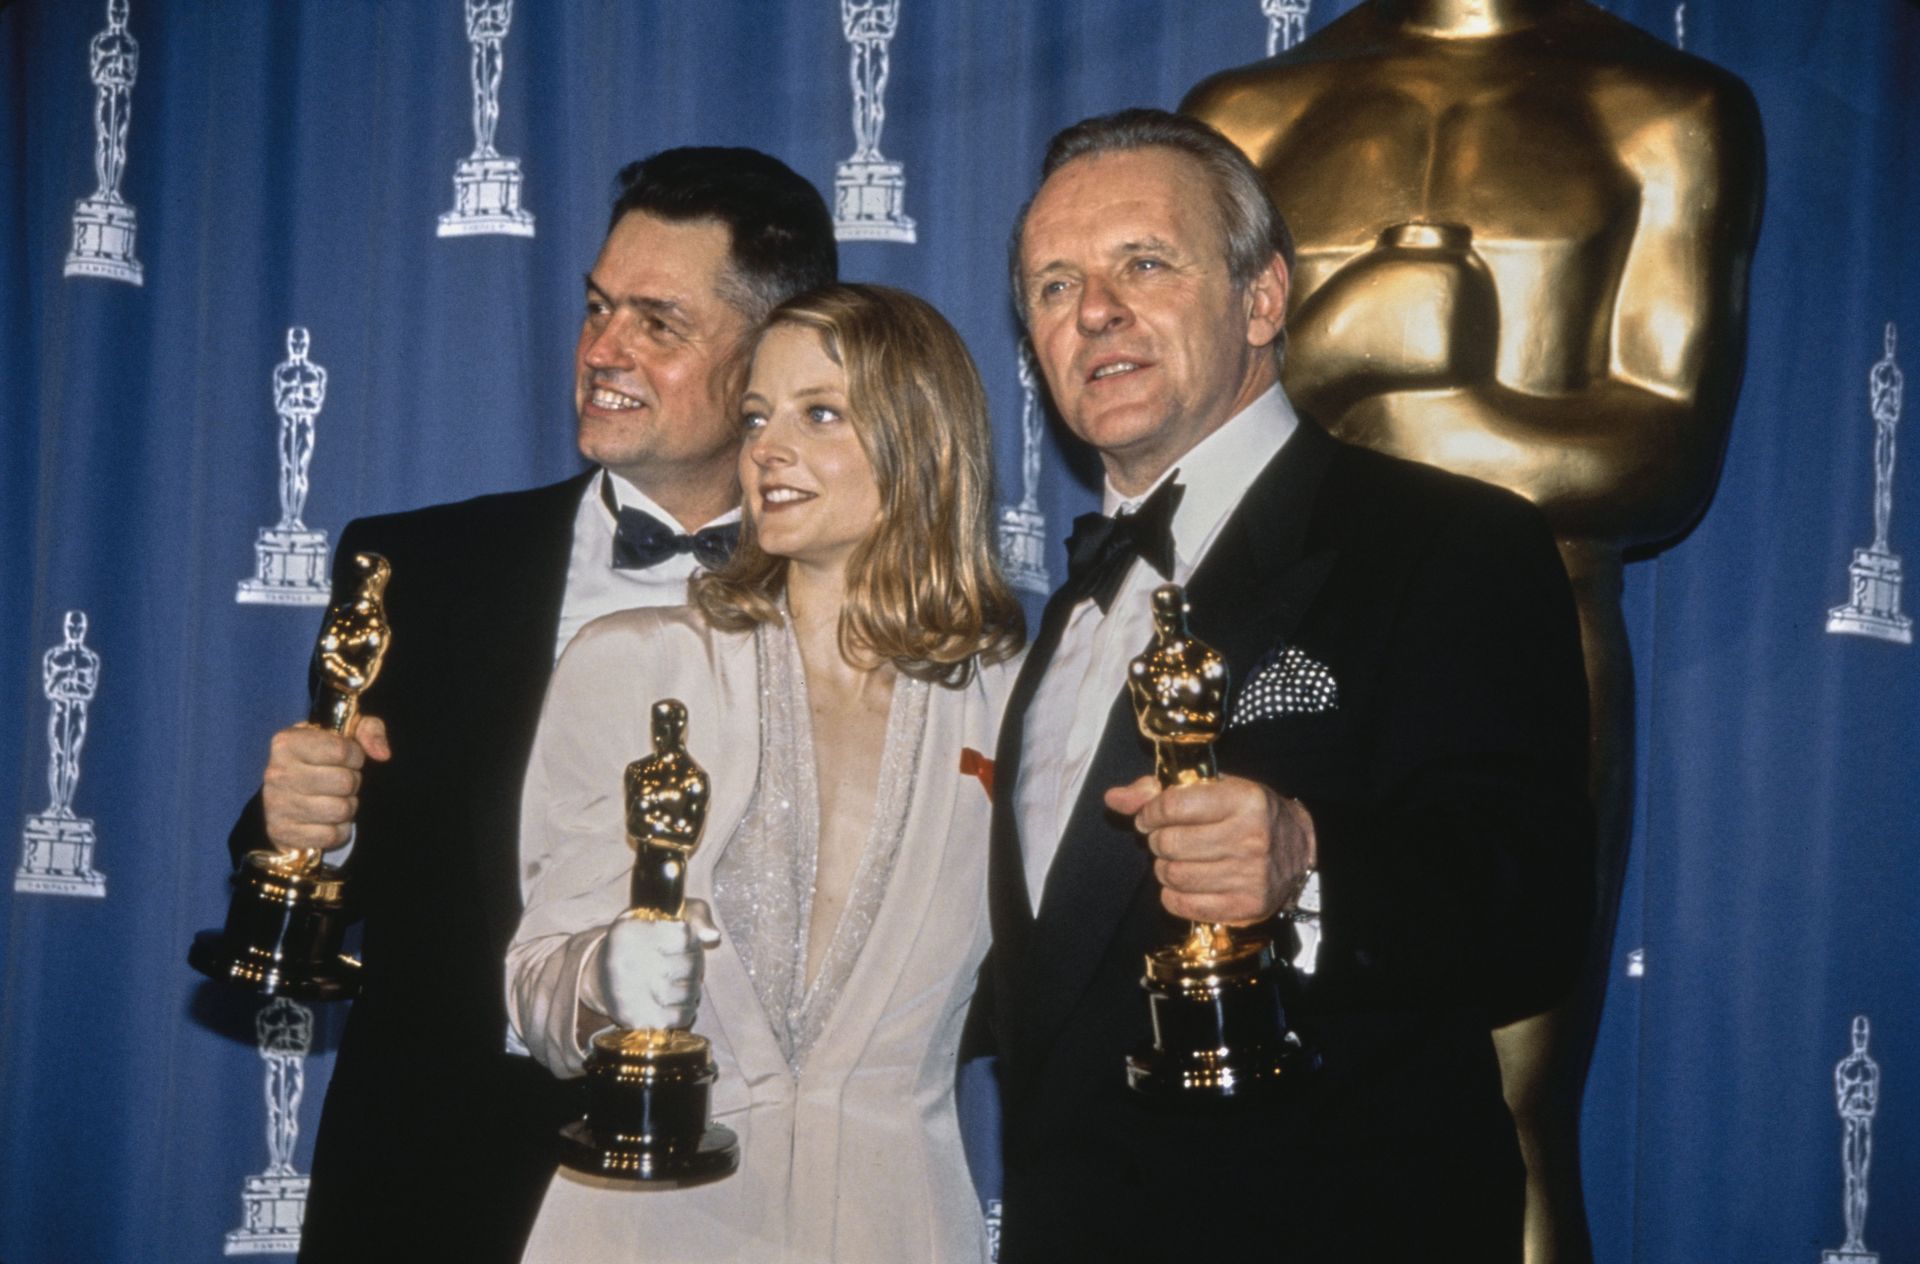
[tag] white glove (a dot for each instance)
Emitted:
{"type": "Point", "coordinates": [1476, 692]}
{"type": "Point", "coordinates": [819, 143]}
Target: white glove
{"type": "Point", "coordinates": [650, 970]}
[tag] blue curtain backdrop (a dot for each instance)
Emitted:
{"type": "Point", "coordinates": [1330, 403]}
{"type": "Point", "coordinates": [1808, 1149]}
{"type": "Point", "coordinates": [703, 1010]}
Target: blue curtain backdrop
{"type": "Point", "coordinates": [287, 165]}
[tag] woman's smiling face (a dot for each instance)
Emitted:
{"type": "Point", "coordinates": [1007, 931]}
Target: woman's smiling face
{"type": "Point", "coordinates": [807, 484]}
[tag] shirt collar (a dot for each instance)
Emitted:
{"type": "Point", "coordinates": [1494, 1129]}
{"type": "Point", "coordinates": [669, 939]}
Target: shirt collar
{"type": "Point", "coordinates": [1217, 471]}
{"type": "Point", "coordinates": [626, 495]}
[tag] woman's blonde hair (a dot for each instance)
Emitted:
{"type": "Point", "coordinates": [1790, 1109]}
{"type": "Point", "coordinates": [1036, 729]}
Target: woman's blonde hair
{"type": "Point", "coordinates": [924, 590]}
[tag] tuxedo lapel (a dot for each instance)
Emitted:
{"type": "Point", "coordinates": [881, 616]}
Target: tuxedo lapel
{"type": "Point", "coordinates": [532, 561]}
{"type": "Point", "coordinates": [1252, 588]}
{"type": "Point", "coordinates": [1259, 578]}
{"type": "Point", "coordinates": [515, 596]}
{"type": "Point", "coordinates": [1094, 877]}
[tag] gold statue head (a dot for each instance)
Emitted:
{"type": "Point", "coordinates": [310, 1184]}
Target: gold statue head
{"type": "Point", "coordinates": [1179, 685]}
{"type": "Point", "coordinates": [374, 572]}
{"type": "Point", "coordinates": [667, 793]}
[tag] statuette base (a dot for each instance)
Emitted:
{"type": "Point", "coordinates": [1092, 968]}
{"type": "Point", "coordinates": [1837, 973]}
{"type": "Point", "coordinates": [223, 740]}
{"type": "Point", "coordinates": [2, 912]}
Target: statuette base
{"type": "Point", "coordinates": [59, 858]}
{"type": "Point", "coordinates": [648, 1096]}
{"type": "Point", "coordinates": [1219, 1029]}
{"type": "Point", "coordinates": [1875, 606]}
{"type": "Point", "coordinates": [486, 200]}
{"type": "Point", "coordinates": [290, 569]}
{"type": "Point", "coordinates": [275, 1208]}
{"type": "Point", "coordinates": [103, 235]}
{"type": "Point", "coordinates": [869, 202]}
{"type": "Point", "coordinates": [283, 934]}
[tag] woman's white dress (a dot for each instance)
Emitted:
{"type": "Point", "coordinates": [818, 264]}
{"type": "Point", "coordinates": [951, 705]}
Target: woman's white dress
{"type": "Point", "coordinates": [841, 1092]}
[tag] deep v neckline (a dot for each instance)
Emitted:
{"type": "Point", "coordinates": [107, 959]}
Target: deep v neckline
{"type": "Point", "coordinates": [764, 881]}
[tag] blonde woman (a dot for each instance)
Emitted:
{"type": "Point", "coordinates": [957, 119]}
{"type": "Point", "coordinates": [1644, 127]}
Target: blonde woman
{"type": "Point", "coordinates": [836, 673]}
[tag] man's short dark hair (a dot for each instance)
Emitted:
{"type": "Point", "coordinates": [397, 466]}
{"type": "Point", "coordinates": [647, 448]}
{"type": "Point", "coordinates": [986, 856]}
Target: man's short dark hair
{"type": "Point", "coordinates": [782, 233]}
{"type": "Point", "coordinates": [1254, 227]}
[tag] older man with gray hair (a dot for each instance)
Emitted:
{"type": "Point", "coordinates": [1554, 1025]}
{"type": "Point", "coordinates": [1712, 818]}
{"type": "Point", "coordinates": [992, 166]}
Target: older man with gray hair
{"type": "Point", "coordinates": [1406, 741]}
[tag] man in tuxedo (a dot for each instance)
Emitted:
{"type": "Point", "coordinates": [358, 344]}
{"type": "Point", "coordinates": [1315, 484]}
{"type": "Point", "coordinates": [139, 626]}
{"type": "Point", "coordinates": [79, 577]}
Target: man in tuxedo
{"type": "Point", "coordinates": [436, 1140]}
{"type": "Point", "coordinates": [1405, 750]}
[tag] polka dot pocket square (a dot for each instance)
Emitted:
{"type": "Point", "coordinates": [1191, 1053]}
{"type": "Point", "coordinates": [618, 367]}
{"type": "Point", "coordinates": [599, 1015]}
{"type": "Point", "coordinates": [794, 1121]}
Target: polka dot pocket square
{"type": "Point", "coordinates": [1285, 682]}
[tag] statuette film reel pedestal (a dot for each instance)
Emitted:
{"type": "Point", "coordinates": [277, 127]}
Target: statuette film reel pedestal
{"type": "Point", "coordinates": [649, 1096]}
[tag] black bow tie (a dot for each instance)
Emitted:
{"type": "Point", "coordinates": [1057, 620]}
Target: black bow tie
{"type": "Point", "coordinates": [1101, 548]}
{"type": "Point", "coordinates": [642, 540]}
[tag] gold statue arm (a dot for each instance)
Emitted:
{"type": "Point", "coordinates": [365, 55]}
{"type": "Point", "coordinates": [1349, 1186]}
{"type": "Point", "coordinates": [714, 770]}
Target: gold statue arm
{"type": "Point", "coordinates": [1613, 462]}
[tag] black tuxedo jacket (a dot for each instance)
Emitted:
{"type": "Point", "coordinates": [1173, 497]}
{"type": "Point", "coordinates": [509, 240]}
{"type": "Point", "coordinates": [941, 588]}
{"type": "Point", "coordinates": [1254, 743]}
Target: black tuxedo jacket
{"type": "Point", "coordinates": [434, 1143]}
{"type": "Point", "coordinates": [1447, 788]}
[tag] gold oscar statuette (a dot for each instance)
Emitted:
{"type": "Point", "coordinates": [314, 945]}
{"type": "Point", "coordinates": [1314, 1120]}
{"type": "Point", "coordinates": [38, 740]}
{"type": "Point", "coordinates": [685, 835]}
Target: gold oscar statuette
{"type": "Point", "coordinates": [290, 909]}
{"type": "Point", "coordinates": [1219, 1028]}
{"type": "Point", "coordinates": [649, 1090]}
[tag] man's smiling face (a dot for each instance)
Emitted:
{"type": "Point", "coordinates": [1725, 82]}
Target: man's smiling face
{"type": "Point", "coordinates": [656, 371]}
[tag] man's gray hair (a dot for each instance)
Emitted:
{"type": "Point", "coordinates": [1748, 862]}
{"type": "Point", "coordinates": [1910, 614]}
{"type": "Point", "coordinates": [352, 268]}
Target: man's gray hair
{"type": "Point", "coordinates": [1255, 229]}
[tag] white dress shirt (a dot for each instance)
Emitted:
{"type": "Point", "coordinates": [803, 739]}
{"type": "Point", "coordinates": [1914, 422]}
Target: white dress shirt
{"type": "Point", "coordinates": [1068, 714]}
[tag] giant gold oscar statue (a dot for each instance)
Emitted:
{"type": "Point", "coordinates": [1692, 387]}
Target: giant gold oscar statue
{"type": "Point", "coordinates": [1524, 229]}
